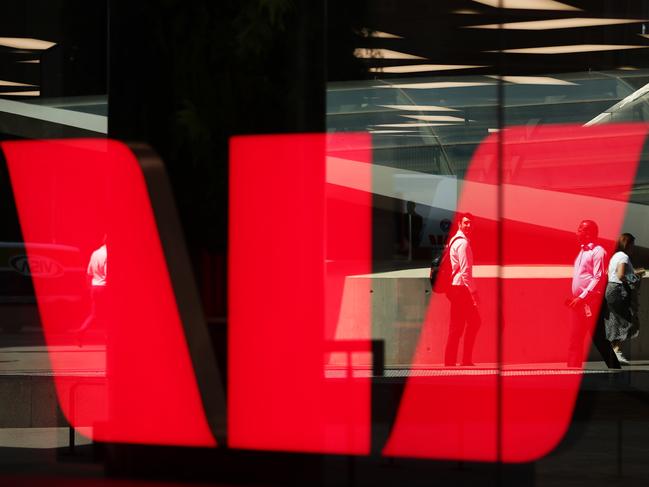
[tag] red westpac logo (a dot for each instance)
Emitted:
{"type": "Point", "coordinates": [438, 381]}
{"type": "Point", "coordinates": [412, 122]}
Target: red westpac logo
{"type": "Point", "coordinates": [71, 196]}
{"type": "Point", "coordinates": [301, 239]}
{"type": "Point", "coordinates": [315, 195]}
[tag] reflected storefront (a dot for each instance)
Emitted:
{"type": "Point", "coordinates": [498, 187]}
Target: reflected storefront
{"type": "Point", "coordinates": [219, 223]}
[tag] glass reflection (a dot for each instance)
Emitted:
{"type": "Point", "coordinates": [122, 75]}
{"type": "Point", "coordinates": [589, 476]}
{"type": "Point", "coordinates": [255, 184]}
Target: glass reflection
{"type": "Point", "coordinates": [622, 293]}
{"type": "Point", "coordinates": [463, 295]}
{"type": "Point", "coordinates": [552, 175]}
{"type": "Point", "coordinates": [588, 282]}
{"type": "Point", "coordinates": [133, 371]}
{"type": "Point", "coordinates": [97, 280]}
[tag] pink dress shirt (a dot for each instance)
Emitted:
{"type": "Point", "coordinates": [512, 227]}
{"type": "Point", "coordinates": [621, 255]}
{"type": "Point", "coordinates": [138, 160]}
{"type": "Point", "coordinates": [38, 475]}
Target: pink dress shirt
{"type": "Point", "coordinates": [588, 271]}
{"type": "Point", "coordinates": [462, 262]}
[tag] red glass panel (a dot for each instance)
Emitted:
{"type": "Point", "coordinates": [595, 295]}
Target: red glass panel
{"type": "Point", "coordinates": [553, 178]}
{"type": "Point", "coordinates": [142, 389]}
{"type": "Point", "coordinates": [300, 246]}
{"type": "Point", "coordinates": [297, 235]}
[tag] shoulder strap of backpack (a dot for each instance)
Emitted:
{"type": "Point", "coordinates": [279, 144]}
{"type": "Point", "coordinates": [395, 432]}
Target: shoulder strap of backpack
{"type": "Point", "coordinates": [455, 237]}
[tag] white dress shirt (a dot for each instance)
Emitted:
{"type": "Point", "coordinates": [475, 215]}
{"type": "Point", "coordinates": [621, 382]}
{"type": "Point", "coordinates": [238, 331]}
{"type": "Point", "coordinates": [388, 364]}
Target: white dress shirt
{"type": "Point", "coordinates": [98, 267]}
{"type": "Point", "coordinates": [462, 262]}
{"type": "Point", "coordinates": [588, 271]}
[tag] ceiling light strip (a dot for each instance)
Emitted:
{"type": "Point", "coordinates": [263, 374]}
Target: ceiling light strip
{"type": "Point", "coordinates": [26, 43]}
{"type": "Point", "coordinates": [550, 24]}
{"type": "Point", "coordinates": [436, 85]}
{"type": "Point", "coordinates": [365, 53]}
{"type": "Point", "coordinates": [420, 108]}
{"type": "Point", "coordinates": [421, 68]}
{"type": "Point", "coordinates": [20, 93]}
{"type": "Point", "coordinates": [533, 80]}
{"type": "Point", "coordinates": [435, 118]}
{"type": "Point", "coordinates": [527, 4]}
{"type": "Point", "coordinates": [13, 83]}
{"type": "Point", "coordinates": [571, 49]}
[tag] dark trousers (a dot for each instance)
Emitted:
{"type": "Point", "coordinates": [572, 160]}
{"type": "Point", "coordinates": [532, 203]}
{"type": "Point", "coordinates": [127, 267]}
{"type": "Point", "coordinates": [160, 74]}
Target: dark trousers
{"type": "Point", "coordinates": [465, 320]}
{"type": "Point", "coordinates": [580, 326]}
{"type": "Point", "coordinates": [99, 306]}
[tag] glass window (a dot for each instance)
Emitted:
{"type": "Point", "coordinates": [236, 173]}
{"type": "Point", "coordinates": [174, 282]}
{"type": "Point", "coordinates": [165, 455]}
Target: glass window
{"type": "Point", "coordinates": [362, 243]}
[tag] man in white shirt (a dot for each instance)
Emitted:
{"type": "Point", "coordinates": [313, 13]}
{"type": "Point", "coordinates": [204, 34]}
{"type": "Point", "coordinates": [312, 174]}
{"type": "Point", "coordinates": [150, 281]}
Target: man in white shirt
{"type": "Point", "coordinates": [588, 282]}
{"type": "Point", "coordinates": [463, 294]}
{"type": "Point", "coordinates": [97, 267]}
{"type": "Point", "coordinates": [96, 275]}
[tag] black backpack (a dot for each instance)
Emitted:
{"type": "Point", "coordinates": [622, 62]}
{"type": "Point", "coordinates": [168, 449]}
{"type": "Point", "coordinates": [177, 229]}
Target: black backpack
{"type": "Point", "coordinates": [441, 272]}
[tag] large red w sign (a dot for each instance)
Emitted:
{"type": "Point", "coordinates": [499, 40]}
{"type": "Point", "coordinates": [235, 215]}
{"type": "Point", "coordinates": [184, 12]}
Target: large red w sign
{"type": "Point", "coordinates": [300, 258]}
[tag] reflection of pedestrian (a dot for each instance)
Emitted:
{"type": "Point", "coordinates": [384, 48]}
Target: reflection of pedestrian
{"type": "Point", "coordinates": [587, 283]}
{"type": "Point", "coordinates": [621, 296]}
{"type": "Point", "coordinates": [412, 224]}
{"type": "Point", "coordinates": [96, 274]}
{"type": "Point", "coordinates": [465, 319]}
{"type": "Point", "coordinates": [416, 224]}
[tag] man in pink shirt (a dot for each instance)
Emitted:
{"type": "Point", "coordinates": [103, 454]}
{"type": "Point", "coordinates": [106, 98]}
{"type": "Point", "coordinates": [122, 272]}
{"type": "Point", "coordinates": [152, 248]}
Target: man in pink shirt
{"type": "Point", "coordinates": [588, 281]}
{"type": "Point", "coordinates": [463, 294]}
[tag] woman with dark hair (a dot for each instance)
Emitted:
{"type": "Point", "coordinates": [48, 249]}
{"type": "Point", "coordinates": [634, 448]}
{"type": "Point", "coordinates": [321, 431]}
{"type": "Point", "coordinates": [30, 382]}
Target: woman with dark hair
{"type": "Point", "coordinates": [621, 296]}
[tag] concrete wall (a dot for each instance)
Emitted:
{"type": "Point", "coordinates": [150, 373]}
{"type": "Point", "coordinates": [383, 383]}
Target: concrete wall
{"type": "Point", "coordinates": [29, 402]}
{"type": "Point", "coordinates": [399, 303]}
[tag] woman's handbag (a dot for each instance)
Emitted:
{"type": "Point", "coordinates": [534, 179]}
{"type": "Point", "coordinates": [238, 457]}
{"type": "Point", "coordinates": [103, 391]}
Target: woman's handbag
{"type": "Point", "coordinates": [633, 281]}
